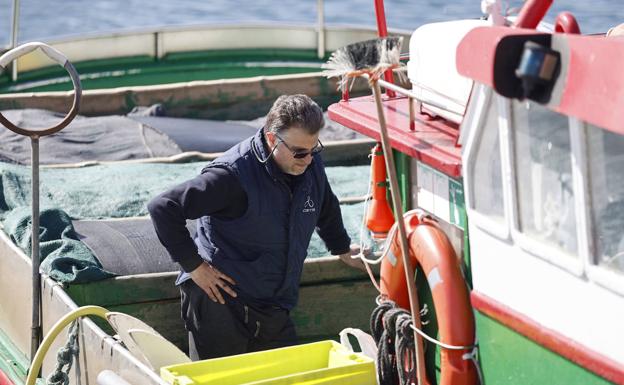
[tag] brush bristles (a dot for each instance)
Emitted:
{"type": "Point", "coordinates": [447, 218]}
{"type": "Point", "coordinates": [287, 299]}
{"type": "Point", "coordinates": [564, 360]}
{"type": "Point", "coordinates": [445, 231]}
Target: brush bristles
{"type": "Point", "coordinates": [371, 57]}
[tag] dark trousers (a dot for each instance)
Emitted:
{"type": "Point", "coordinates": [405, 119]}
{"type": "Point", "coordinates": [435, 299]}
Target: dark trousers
{"type": "Point", "coordinates": [217, 330]}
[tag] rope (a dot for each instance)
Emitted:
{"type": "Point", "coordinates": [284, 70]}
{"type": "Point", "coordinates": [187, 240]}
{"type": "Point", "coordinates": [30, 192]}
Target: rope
{"type": "Point", "coordinates": [387, 358]}
{"type": "Point", "coordinates": [65, 358]}
{"type": "Point", "coordinates": [442, 344]}
{"type": "Point", "coordinates": [376, 321]}
{"type": "Point", "coordinates": [387, 328]}
{"type": "Point", "coordinates": [472, 356]}
{"type": "Point", "coordinates": [405, 350]}
{"type": "Point", "coordinates": [391, 328]}
{"type": "Point", "coordinates": [388, 243]}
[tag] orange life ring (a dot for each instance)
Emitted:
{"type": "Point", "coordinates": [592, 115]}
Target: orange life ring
{"type": "Point", "coordinates": [430, 248]}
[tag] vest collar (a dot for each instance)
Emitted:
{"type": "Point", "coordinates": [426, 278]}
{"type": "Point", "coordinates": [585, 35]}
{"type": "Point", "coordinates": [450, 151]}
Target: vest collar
{"type": "Point", "coordinates": [264, 156]}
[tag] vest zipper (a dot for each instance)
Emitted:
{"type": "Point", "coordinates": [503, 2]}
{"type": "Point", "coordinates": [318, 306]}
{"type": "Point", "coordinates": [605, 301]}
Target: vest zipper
{"type": "Point", "coordinates": [246, 314]}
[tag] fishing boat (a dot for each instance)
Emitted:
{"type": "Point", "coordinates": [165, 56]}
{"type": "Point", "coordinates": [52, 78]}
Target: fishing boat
{"type": "Point", "coordinates": [271, 57]}
{"type": "Point", "coordinates": [514, 151]}
{"type": "Point", "coordinates": [506, 146]}
{"type": "Point", "coordinates": [224, 71]}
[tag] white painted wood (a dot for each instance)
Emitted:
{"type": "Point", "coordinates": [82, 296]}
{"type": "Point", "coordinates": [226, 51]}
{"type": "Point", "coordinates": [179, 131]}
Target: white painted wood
{"type": "Point", "coordinates": [15, 294]}
{"type": "Point", "coordinates": [425, 187]}
{"type": "Point", "coordinates": [551, 296]}
{"type": "Point", "coordinates": [559, 293]}
{"type": "Point", "coordinates": [157, 349]}
{"type": "Point", "coordinates": [163, 41]}
{"type": "Point", "coordinates": [441, 204]}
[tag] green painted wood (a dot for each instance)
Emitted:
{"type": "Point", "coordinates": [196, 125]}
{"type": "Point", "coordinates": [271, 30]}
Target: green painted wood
{"type": "Point", "coordinates": [323, 311]}
{"type": "Point", "coordinates": [158, 287]}
{"type": "Point", "coordinates": [13, 363]}
{"type": "Point", "coordinates": [402, 164]}
{"type": "Point", "coordinates": [330, 269]}
{"type": "Point", "coordinates": [332, 296]}
{"type": "Point", "coordinates": [429, 326]}
{"type": "Point", "coordinates": [125, 290]}
{"type": "Point", "coordinates": [178, 67]}
{"type": "Point", "coordinates": [509, 358]}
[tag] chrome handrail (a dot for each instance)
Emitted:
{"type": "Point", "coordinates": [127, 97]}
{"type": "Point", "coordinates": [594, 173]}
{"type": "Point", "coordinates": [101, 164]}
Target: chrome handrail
{"type": "Point", "coordinates": [320, 18]}
{"type": "Point", "coordinates": [14, 31]}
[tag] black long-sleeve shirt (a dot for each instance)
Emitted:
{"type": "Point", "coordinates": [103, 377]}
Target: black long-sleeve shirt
{"type": "Point", "coordinates": [216, 192]}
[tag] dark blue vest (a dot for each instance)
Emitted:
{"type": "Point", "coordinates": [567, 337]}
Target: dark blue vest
{"type": "Point", "coordinates": [264, 250]}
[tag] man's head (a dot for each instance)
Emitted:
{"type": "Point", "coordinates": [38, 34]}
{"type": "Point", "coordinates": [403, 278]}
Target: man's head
{"type": "Point", "coordinates": [292, 130]}
{"type": "Point", "coordinates": [618, 30]}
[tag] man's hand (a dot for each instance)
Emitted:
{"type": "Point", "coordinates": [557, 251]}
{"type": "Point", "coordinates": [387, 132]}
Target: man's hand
{"type": "Point", "coordinates": [353, 262]}
{"type": "Point", "coordinates": [211, 280]}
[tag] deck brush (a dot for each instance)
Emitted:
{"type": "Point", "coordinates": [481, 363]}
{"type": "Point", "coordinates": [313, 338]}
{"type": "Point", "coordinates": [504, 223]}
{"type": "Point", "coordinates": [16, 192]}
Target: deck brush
{"type": "Point", "coordinates": [373, 58]}
{"type": "Point", "coordinates": [370, 57]}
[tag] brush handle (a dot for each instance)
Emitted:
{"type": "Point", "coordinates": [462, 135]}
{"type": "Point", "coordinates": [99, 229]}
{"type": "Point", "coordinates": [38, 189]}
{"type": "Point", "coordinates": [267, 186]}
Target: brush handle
{"type": "Point", "coordinates": [398, 213]}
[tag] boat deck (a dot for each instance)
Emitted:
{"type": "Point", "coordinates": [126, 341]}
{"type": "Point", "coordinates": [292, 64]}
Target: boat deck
{"type": "Point", "coordinates": [430, 140]}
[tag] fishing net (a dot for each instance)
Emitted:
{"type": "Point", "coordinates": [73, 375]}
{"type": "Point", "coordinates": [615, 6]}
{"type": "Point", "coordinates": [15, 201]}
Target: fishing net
{"type": "Point", "coordinates": [118, 191]}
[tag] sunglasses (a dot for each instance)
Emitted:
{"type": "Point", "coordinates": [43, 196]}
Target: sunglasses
{"type": "Point", "coordinates": [300, 154]}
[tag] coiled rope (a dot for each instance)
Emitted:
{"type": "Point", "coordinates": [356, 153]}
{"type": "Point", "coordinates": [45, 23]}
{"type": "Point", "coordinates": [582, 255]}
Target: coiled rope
{"type": "Point", "coordinates": [391, 328]}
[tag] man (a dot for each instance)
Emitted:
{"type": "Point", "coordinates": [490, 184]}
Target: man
{"type": "Point", "coordinates": [258, 206]}
{"type": "Point", "coordinates": [618, 30]}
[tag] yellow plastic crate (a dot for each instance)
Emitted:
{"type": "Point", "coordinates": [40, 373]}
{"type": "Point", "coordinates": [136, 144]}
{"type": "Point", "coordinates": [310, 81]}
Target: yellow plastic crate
{"type": "Point", "coordinates": [325, 362]}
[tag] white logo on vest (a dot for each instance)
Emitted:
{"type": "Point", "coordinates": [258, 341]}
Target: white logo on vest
{"type": "Point", "coordinates": [308, 206]}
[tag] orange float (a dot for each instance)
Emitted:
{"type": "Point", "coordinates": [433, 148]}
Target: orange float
{"type": "Point", "coordinates": [431, 250]}
{"type": "Point", "coordinates": [379, 217]}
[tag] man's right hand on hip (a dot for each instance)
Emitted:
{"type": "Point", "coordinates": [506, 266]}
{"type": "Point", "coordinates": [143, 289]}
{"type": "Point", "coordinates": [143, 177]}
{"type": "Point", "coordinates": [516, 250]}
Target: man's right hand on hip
{"type": "Point", "coordinates": [210, 279]}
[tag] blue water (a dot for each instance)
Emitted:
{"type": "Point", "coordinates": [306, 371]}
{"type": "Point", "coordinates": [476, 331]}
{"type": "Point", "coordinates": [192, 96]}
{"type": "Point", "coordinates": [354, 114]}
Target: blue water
{"type": "Point", "coordinates": [48, 19]}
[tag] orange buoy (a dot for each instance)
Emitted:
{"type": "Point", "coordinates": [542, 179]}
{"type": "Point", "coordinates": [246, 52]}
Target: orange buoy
{"type": "Point", "coordinates": [431, 250]}
{"type": "Point", "coordinates": [379, 217]}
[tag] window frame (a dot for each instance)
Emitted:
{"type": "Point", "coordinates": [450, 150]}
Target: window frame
{"type": "Point", "coordinates": [574, 264]}
{"type": "Point", "coordinates": [499, 229]}
{"type": "Point", "coordinates": [581, 264]}
{"type": "Point", "coordinates": [599, 274]}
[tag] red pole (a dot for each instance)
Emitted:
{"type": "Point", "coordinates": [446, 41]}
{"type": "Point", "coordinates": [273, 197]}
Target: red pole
{"type": "Point", "coordinates": [532, 13]}
{"type": "Point", "coordinates": [382, 31]}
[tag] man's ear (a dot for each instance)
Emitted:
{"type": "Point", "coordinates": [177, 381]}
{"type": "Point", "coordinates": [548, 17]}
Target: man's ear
{"type": "Point", "coordinates": [270, 138]}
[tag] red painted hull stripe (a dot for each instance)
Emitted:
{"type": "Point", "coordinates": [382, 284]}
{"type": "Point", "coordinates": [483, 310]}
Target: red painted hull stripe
{"type": "Point", "coordinates": [550, 339]}
{"type": "Point", "coordinates": [4, 379]}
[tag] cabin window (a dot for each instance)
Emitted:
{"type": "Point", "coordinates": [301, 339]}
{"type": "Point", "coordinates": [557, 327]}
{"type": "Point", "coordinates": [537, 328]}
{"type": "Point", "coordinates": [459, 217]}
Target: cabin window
{"type": "Point", "coordinates": [544, 176]}
{"type": "Point", "coordinates": [606, 163]}
{"type": "Point", "coordinates": [487, 188]}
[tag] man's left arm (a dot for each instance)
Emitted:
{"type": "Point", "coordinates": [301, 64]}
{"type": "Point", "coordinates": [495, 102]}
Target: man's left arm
{"type": "Point", "coordinates": [330, 228]}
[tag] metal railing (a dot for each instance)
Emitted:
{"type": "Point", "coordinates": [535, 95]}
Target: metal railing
{"type": "Point", "coordinates": [320, 23]}
{"type": "Point", "coordinates": [14, 31]}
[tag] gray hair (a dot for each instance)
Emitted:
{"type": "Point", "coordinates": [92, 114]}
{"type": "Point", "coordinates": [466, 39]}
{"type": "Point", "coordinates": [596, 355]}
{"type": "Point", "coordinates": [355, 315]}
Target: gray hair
{"type": "Point", "coordinates": [294, 110]}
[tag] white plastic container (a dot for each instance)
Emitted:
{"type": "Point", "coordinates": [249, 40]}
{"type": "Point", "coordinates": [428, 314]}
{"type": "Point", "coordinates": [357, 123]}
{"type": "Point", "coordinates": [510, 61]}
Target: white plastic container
{"type": "Point", "coordinates": [432, 71]}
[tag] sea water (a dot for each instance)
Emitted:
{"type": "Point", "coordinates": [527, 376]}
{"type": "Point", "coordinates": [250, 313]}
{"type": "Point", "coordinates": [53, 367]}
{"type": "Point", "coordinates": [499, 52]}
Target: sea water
{"type": "Point", "coordinates": [49, 19]}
